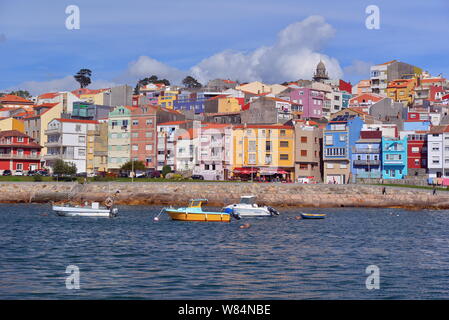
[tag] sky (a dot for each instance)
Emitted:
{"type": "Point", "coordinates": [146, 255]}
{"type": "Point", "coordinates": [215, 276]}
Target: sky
{"type": "Point", "coordinates": [265, 40]}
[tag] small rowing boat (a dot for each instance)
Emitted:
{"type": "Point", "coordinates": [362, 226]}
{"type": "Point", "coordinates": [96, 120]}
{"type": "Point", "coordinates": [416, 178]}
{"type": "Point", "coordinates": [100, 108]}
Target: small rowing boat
{"type": "Point", "coordinates": [313, 215]}
{"type": "Point", "coordinates": [194, 212]}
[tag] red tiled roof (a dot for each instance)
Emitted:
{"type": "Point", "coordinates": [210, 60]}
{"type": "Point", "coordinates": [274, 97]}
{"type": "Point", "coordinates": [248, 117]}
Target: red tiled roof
{"type": "Point", "coordinates": [77, 120]}
{"type": "Point", "coordinates": [46, 105]}
{"type": "Point", "coordinates": [49, 95]}
{"type": "Point", "coordinates": [13, 98]}
{"type": "Point", "coordinates": [263, 126]}
{"type": "Point", "coordinates": [173, 122]}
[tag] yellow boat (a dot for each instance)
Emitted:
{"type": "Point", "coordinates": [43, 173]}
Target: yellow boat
{"type": "Point", "coordinates": [194, 212]}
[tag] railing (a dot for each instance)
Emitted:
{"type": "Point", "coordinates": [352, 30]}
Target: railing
{"type": "Point", "coordinates": [365, 150]}
{"type": "Point", "coordinates": [19, 156]}
{"type": "Point", "coordinates": [368, 175]}
{"type": "Point", "coordinates": [58, 156]}
{"type": "Point", "coordinates": [367, 162]}
{"type": "Point", "coordinates": [53, 131]}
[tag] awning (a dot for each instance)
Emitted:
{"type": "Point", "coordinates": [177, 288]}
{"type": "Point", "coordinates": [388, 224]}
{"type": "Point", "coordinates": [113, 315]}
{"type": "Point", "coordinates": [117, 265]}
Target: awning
{"type": "Point", "coordinates": [246, 170]}
{"type": "Point", "coordinates": [272, 171]}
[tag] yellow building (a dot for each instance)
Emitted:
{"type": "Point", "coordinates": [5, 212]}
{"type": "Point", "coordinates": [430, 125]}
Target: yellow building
{"type": "Point", "coordinates": [12, 124]}
{"type": "Point", "coordinates": [97, 148]}
{"type": "Point", "coordinates": [402, 90]}
{"type": "Point", "coordinates": [267, 151]}
{"type": "Point", "coordinates": [229, 105]}
{"type": "Point", "coordinates": [166, 100]}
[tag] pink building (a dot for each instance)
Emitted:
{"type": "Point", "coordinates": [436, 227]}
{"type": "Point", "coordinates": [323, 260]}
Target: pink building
{"type": "Point", "coordinates": [312, 102]}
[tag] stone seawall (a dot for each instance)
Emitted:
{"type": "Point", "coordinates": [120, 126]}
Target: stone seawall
{"type": "Point", "coordinates": [219, 194]}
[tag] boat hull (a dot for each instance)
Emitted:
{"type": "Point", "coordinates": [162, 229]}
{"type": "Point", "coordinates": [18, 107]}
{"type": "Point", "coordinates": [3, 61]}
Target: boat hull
{"type": "Point", "coordinates": [313, 215]}
{"type": "Point", "coordinates": [82, 212]}
{"type": "Point", "coordinates": [254, 212]}
{"type": "Point", "coordinates": [198, 216]}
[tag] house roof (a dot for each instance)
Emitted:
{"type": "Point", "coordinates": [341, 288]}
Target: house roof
{"type": "Point", "coordinates": [263, 126]}
{"type": "Point", "coordinates": [12, 133]}
{"type": "Point", "coordinates": [46, 105]}
{"type": "Point", "coordinates": [15, 99]}
{"type": "Point", "coordinates": [385, 63]}
{"type": "Point", "coordinates": [49, 95]}
{"type": "Point", "coordinates": [77, 120]}
{"type": "Point", "coordinates": [170, 123]}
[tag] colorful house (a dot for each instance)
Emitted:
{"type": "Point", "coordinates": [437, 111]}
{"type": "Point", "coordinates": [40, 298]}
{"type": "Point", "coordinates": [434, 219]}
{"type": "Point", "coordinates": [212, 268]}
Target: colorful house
{"type": "Point", "coordinates": [340, 135]}
{"type": "Point", "coordinates": [18, 151]}
{"type": "Point", "coordinates": [143, 135]}
{"type": "Point", "coordinates": [119, 137]}
{"type": "Point", "coordinates": [394, 158]}
{"type": "Point", "coordinates": [367, 155]}
{"type": "Point", "coordinates": [12, 124]}
{"type": "Point", "coordinates": [402, 90]}
{"type": "Point", "coordinates": [97, 147]}
{"type": "Point", "coordinates": [264, 151]}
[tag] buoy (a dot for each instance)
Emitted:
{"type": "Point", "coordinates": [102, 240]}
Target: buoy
{"type": "Point", "coordinates": [156, 219]}
{"type": "Point", "coordinates": [245, 226]}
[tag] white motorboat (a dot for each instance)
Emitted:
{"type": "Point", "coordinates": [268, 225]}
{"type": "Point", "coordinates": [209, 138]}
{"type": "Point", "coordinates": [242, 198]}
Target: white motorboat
{"type": "Point", "coordinates": [248, 208]}
{"type": "Point", "coordinates": [94, 210]}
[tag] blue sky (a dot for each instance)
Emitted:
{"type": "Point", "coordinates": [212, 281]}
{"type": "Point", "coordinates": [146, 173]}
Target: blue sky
{"type": "Point", "coordinates": [121, 41]}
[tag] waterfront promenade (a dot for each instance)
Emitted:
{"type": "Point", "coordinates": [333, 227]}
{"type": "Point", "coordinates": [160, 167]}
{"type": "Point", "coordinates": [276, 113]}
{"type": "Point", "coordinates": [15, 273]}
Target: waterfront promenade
{"type": "Point", "coordinates": [221, 193]}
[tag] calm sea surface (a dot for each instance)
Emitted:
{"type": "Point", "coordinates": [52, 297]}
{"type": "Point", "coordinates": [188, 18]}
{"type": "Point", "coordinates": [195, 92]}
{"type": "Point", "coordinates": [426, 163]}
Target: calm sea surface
{"type": "Point", "coordinates": [133, 257]}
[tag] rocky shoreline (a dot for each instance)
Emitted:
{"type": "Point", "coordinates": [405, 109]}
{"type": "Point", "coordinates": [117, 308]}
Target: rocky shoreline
{"type": "Point", "coordinates": [223, 193]}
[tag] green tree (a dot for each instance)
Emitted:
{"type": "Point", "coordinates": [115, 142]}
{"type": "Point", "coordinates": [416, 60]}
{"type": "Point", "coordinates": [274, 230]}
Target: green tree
{"type": "Point", "coordinates": [83, 77]}
{"type": "Point", "coordinates": [191, 82]}
{"type": "Point", "coordinates": [21, 93]}
{"type": "Point", "coordinates": [60, 167]}
{"type": "Point", "coordinates": [153, 79]}
{"type": "Point", "coordinates": [166, 169]}
{"type": "Point", "coordinates": [138, 165]}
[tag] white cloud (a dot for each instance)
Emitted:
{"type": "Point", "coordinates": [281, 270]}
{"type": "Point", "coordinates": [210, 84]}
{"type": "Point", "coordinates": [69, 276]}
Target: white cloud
{"type": "Point", "coordinates": [145, 67]}
{"type": "Point", "coordinates": [67, 83]}
{"type": "Point", "coordinates": [294, 55]}
{"type": "Point", "coordinates": [358, 68]}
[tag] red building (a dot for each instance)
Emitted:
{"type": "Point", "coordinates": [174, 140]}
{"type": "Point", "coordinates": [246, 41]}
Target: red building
{"type": "Point", "coordinates": [18, 151]}
{"type": "Point", "coordinates": [417, 150]}
{"type": "Point", "coordinates": [143, 135]}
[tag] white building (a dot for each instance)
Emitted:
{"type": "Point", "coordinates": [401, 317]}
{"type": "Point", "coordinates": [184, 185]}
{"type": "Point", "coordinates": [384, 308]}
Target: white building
{"type": "Point", "coordinates": [67, 140]}
{"type": "Point", "coordinates": [167, 134]}
{"type": "Point", "coordinates": [438, 152]}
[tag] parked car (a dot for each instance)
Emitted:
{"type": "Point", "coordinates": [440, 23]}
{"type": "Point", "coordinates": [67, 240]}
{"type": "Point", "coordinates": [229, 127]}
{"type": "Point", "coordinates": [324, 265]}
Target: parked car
{"type": "Point", "coordinates": [154, 174]}
{"type": "Point", "coordinates": [18, 173]}
{"type": "Point", "coordinates": [7, 172]}
{"type": "Point", "coordinates": [32, 173]}
{"type": "Point", "coordinates": [82, 174]}
{"type": "Point", "coordinates": [140, 174]}
{"type": "Point", "coordinates": [197, 177]}
{"type": "Point", "coordinates": [123, 175]}
{"type": "Point", "coordinates": [43, 173]}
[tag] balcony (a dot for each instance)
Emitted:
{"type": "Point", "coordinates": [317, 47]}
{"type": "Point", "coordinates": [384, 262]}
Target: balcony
{"type": "Point", "coordinates": [53, 131]}
{"type": "Point", "coordinates": [397, 162]}
{"type": "Point", "coordinates": [368, 175]}
{"type": "Point", "coordinates": [365, 150]}
{"type": "Point", "coordinates": [366, 162]}
{"type": "Point", "coordinates": [57, 143]}
{"type": "Point", "coordinates": [59, 156]}
{"type": "Point", "coordinates": [20, 156]}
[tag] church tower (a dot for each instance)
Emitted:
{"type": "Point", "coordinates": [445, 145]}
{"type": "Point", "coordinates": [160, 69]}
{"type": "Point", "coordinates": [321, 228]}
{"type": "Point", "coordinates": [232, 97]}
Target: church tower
{"type": "Point", "coordinates": [320, 73]}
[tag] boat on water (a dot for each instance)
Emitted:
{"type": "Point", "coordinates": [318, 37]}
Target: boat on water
{"type": "Point", "coordinates": [194, 212]}
{"type": "Point", "coordinates": [313, 215]}
{"type": "Point", "coordinates": [94, 210]}
{"type": "Point", "coordinates": [249, 208]}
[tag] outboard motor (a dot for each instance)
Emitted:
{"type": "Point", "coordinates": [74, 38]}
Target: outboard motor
{"type": "Point", "coordinates": [232, 213]}
{"type": "Point", "coordinates": [273, 211]}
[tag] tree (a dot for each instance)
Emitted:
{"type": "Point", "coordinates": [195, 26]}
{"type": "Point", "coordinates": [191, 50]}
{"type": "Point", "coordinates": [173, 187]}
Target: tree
{"type": "Point", "coordinates": [21, 93]}
{"type": "Point", "coordinates": [60, 167]}
{"type": "Point", "coordinates": [191, 82]}
{"type": "Point", "coordinates": [83, 77]}
{"type": "Point", "coordinates": [166, 169]}
{"type": "Point", "coordinates": [153, 79]}
{"type": "Point", "coordinates": [138, 165]}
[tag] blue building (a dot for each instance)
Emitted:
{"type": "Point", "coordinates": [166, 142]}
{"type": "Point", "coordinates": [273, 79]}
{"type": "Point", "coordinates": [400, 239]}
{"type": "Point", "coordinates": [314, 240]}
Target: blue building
{"type": "Point", "coordinates": [190, 102]}
{"type": "Point", "coordinates": [340, 135]}
{"type": "Point", "coordinates": [89, 111]}
{"type": "Point", "coordinates": [410, 125]}
{"type": "Point", "coordinates": [394, 158]}
{"type": "Point", "coordinates": [345, 99]}
{"type": "Point", "coordinates": [367, 155]}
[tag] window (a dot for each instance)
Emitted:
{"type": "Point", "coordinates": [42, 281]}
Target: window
{"type": "Point", "coordinates": [283, 156]}
{"type": "Point", "coordinates": [81, 152]}
{"type": "Point", "coordinates": [304, 140]}
{"type": "Point", "coordinates": [251, 158]}
{"type": "Point", "coordinates": [149, 134]}
{"type": "Point", "coordinates": [19, 139]}
{"type": "Point", "coordinates": [329, 139]}
{"type": "Point", "coordinates": [343, 166]}
{"type": "Point", "coordinates": [19, 166]}
{"type": "Point", "coordinates": [283, 144]}
{"type": "Point", "coordinates": [329, 165]}
{"type": "Point", "coordinates": [415, 149]}
{"type": "Point", "coordinates": [283, 133]}
{"type": "Point", "coordinates": [303, 153]}
{"type": "Point", "coordinates": [149, 147]}
{"type": "Point", "coordinates": [252, 146]}
{"type": "Point", "coordinates": [81, 139]}
{"type": "Point", "coordinates": [342, 137]}
{"type": "Point", "coordinates": [78, 128]}
{"type": "Point", "coordinates": [135, 122]}
{"type": "Point", "coordinates": [135, 147]}
{"type": "Point", "coordinates": [268, 146]}
{"type": "Point", "coordinates": [303, 166]}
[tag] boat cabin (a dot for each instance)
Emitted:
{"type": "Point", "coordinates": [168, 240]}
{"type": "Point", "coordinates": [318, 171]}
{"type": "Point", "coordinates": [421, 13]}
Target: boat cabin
{"type": "Point", "coordinates": [197, 203]}
{"type": "Point", "coordinates": [248, 200]}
